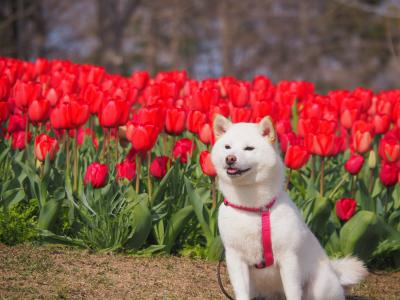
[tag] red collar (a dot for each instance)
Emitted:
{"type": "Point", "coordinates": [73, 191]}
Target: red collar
{"type": "Point", "coordinates": [265, 230]}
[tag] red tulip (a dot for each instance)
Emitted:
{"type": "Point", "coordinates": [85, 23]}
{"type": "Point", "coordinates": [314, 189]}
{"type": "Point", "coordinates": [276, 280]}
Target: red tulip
{"type": "Point", "coordinates": [203, 98]}
{"type": "Point", "coordinates": [381, 123]}
{"type": "Point", "coordinates": [18, 140]}
{"type": "Point", "coordinates": [296, 157]}
{"type": "Point", "coordinates": [126, 169]}
{"type": "Point", "coordinates": [182, 148]}
{"type": "Point", "coordinates": [206, 164]}
{"type": "Point", "coordinates": [238, 94]}
{"type": "Point", "coordinates": [389, 149]}
{"type": "Point", "coordinates": [158, 167]}
{"type": "Point", "coordinates": [349, 116]}
{"type": "Point", "coordinates": [113, 113]}
{"type": "Point", "coordinates": [345, 208]}
{"type": "Point", "coordinates": [320, 144]}
{"type": "Point", "coordinates": [142, 137]}
{"type": "Point", "coordinates": [39, 110]}
{"type": "Point", "coordinates": [206, 134]}
{"type": "Point", "coordinates": [175, 120]}
{"type": "Point", "coordinates": [354, 164]}
{"type": "Point", "coordinates": [195, 120]}
{"type": "Point", "coordinates": [362, 134]}
{"type": "Point", "coordinates": [96, 175]}
{"type": "Point", "coordinates": [45, 145]}
{"type": "Point", "coordinates": [140, 79]}
{"type": "Point", "coordinates": [69, 115]}
{"type": "Point", "coordinates": [93, 97]}
{"type": "Point", "coordinates": [388, 174]}
{"type": "Point", "coordinates": [24, 93]}
{"type": "Point", "coordinates": [241, 114]}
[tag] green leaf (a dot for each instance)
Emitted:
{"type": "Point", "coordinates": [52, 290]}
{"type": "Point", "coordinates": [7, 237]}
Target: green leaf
{"type": "Point", "coordinates": [361, 234]}
{"type": "Point", "coordinates": [198, 209]}
{"type": "Point", "coordinates": [141, 218]}
{"type": "Point", "coordinates": [176, 225]}
{"type": "Point", "coordinates": [216, 249]}
{"type": "Point", "coordinates": [48, 213]}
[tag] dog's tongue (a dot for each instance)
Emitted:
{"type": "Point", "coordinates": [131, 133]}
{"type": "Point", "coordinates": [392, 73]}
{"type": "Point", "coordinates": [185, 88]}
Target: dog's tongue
{"type": "Point", "coordinates": [232, 170]}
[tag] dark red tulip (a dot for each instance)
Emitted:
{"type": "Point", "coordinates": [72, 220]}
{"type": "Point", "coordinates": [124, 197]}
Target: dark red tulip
{"type": "Point", "coordinates": [195, 120]}
{"type": "Point", "coordinates": [345, 208]}
{"type": "Point", "coordinates": [159, 166]}
{"type": "Point", "coordinates": [388, 174]}
{"type": "Point", "coordinates": [45, 145]}
{"type": "Point", "coordinates": [296, 157]}
{"type": "Point", "coordinates": [126, 169]}
{"type": "Point", "coordinates": [16, 123]}
{"type": "Point", "coordinates": [3, 111]}
{"type": "Point", "coordinates": [18, 140]}
{"type": "Point", "coordinates": [206, 164]}
{"type": "Point", "coordinates": [39, 110]}
{"type": "Point", "coordinates": [175, 119]}
{"type": "Point", "coordinates": [96, 175]}
{"type": "Point", "coordinates": [182, 149]}
{"type": "Point", "coordinates": [5, 87]}
{"type": "Point", "coordinates": [142, 137]}
{"type": "Point", "coordinates": [113, 113]}
{"type": "Point", "coordinates": [354, 164]}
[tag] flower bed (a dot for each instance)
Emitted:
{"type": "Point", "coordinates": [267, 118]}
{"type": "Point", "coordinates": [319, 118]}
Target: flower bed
{"type": "Point", "coordinates": [110, 162]}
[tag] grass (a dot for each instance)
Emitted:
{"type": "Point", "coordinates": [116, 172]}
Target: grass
{"type": "Point", "coordinates": [57, 272]}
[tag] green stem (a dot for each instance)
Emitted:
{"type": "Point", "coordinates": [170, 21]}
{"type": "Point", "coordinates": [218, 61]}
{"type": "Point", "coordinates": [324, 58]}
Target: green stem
{"type": "Point", "coordinates": [67, 160]}
{"type": "Point", "coordinates": [76, 157]}
{"type": "Point", "coordinates": [313, 168]}
{"type": "Point", "coordinates": [149, 186]}
{"type": "Point", "coordinates": [213, 193]}
{"type": "Point", "coordinates": [117, 145]}
{"type": "Point", "coordinates": [288, 179]}
{"type": "Point", "coordinates": [138, 166]}
{"type": "Point", "coordinates": [353, 183]}
{"type": "Point", "coordinates": [321, 179]}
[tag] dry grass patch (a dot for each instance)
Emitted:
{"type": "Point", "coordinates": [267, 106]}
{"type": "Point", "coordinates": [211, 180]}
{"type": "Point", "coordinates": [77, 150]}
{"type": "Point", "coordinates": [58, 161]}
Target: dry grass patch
{"type": "Point", "coordinates": [56, 272]}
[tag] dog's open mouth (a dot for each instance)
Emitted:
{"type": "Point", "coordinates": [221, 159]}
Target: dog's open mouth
{"type": "Point", "coordinates": [235, 171]}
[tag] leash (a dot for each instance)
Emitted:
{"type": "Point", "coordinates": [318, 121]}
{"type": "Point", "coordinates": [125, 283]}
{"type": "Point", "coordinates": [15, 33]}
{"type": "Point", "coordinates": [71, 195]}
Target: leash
{"type": "Point", "coordinates": [221, 286]}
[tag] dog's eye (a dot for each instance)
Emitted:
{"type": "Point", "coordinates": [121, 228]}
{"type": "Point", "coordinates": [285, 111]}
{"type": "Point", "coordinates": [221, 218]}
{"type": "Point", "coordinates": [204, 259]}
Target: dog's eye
{"type": "Point", "coordinates": [227, 147]}
{"type": "Point", "coordinates": [248, 148]}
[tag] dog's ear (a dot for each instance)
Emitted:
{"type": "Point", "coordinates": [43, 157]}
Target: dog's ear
{"type": "Point", "coordinates": [267, 129]}
{"type": "Point", "coordinates": [220, 125]}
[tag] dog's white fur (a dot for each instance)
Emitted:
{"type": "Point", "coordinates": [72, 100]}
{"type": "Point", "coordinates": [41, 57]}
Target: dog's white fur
{"type": "Point", "coordinates": [301, 270]}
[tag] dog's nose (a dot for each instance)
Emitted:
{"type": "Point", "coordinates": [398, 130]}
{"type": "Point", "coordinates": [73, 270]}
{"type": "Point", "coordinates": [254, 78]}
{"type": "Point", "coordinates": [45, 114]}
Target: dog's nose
{"type": "Point", "coordinates": [230, 159]}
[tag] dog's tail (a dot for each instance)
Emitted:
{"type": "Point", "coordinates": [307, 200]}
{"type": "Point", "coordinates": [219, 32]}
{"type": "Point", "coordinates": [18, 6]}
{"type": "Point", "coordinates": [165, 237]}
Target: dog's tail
{"type": "Point", "coordinates": [349, 270]}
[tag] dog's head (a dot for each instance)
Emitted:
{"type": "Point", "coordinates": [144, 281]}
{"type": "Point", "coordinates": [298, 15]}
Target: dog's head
{"type": "Point", "coordinates": [245, 153]}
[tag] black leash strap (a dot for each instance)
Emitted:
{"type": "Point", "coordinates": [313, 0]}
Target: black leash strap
{"type": "Point", "coordinates": [220, 281]}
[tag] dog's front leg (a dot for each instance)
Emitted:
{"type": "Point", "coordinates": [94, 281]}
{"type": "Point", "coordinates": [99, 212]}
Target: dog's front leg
{"type": "Point", "coordinates": [291, 279]}
{"type": "Point", "coordinates": [239, 275]}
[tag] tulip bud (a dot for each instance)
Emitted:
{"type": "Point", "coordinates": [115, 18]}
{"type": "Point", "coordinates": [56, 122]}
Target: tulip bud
{"type": "Point", "coordinates": [45, 145]}
{"type": "Point", "coordinates": [96, 175]}
{"type": "Point", "coordinates": [158, 167]}
{"type": "Point", "coordinates": [372, 159]}
{"type": "Point", "coordinates": [345, 208]}
{"type": "Point", "coordinates": [126, 169]}
{"type": "Point", "coordinates": [354, 164]}
{"type": "Point", "coordinates": [206, 164]}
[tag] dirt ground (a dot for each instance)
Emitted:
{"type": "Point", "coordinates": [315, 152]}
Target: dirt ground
{"type": "Point", "coordinates": [56, 272]}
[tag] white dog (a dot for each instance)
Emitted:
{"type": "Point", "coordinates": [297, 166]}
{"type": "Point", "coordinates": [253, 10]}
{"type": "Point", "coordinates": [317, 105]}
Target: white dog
{"type": "Point", "coordinates": [251, 176]}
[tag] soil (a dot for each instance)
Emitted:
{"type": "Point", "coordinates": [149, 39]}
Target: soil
{"type": "Point", "coordinates": [58, 272]}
